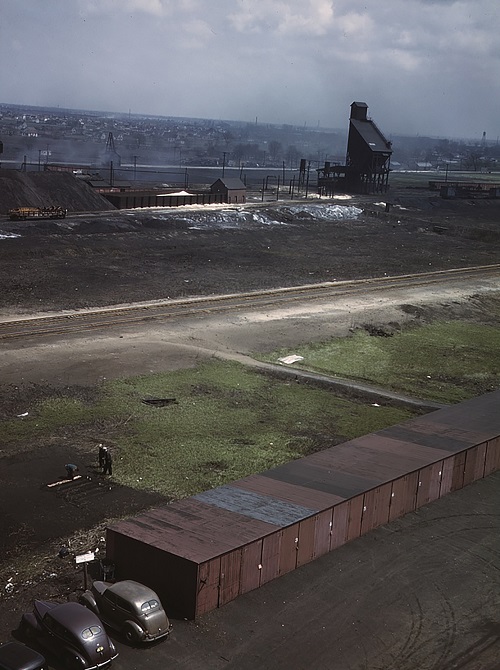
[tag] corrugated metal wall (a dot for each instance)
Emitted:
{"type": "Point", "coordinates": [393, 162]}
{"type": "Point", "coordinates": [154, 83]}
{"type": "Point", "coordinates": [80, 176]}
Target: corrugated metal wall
{"type": "Point", "coordinates": [212, 547]}
{"type": "Point", "coordinates": [134, 199]}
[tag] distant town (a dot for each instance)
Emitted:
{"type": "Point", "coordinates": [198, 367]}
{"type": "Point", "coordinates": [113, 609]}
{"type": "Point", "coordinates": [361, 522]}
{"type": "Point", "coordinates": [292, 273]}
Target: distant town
{"type": "Point", "coordinates": [34, 137]}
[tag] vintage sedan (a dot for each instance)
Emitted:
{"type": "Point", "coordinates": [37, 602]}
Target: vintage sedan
{"type": "Point", "coordinates": [71, 632]}
{"type": "Point", "coordinates": [129, 607]}
{"type": "Point", "coordinates": [16, 656]}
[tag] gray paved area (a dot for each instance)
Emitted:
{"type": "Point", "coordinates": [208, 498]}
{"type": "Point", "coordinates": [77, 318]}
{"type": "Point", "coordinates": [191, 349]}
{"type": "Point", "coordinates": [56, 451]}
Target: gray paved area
{"type": "Point", "coordinates": [422, 593]}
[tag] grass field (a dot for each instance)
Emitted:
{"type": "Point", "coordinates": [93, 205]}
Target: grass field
{"type": "Point", "coordinates": [443, 361]}
{"type": "Point", "coordinates": [226, 422]}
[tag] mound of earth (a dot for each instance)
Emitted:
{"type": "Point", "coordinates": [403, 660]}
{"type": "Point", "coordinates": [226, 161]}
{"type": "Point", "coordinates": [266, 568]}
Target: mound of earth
{"type": "Point", "coordinates": [44, 189]}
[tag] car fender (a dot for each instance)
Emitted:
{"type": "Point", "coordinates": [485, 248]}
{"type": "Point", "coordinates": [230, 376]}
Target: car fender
{"type": "Point", "coordinates": [29, 625]}
{"type": "Point", "coordinates": [89, 601]}
{"type": "Point", "coordinates": [132, 631]}
{"type": "Point", "coordinates": [72, 659]}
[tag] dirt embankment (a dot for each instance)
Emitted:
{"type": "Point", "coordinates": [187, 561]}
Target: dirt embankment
{"type": "Point", "coordinates": [43, 189]}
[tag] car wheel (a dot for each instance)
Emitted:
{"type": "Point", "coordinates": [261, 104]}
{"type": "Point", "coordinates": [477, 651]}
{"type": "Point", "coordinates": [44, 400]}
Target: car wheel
{"type": "Point", "coordinates": [132, 632]}
{"type": "Point", "coordinates": [25, 630]}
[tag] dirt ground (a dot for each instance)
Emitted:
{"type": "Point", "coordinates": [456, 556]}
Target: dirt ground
{"type": "Point", "coordinates": [119, 257]}
{"type": "Point", "coordinates": [322, 616]}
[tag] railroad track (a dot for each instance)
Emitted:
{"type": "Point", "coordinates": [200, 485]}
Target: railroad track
{"type": "Point", "coordinates": [159, 310]}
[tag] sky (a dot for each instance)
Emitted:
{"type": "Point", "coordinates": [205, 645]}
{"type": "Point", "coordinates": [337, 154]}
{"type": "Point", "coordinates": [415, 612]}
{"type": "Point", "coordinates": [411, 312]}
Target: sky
{"type": "Point", "coordinates": [423, 67]}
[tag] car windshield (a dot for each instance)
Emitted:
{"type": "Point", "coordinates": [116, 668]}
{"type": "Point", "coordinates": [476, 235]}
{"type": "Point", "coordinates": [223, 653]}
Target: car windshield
{"type": "Point", "coordinates": [87, 633]}
{"type": "Point", "coordinates": [149, 605]}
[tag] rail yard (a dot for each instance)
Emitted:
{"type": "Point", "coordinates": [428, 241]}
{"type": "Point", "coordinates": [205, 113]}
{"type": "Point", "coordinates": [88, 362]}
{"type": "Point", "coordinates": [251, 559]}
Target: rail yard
{"type": "Point", "coordinates": [208, 290]}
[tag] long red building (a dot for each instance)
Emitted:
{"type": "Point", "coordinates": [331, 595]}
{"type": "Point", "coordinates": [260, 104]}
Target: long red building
{"type": "Point", "coordinates": [202, 552]}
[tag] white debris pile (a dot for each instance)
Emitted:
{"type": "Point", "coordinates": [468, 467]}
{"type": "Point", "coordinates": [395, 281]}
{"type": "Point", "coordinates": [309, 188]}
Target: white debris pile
{"type": "Point", "coordinates": [208, 217]}
{"type": "Point", "coordinates": [290, 360]}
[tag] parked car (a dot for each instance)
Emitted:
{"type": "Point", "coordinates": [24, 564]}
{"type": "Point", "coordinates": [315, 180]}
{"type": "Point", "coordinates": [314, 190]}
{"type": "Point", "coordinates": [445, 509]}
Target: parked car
{"type": "Point", "coordinates": [129, 607]}
{"type": "Point", "coordinates": [16, 656]}
{"type": "Point", "coordinates": [71, 632]}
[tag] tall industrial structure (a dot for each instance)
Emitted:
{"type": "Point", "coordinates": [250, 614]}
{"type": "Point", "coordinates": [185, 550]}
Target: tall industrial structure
{"type": "Point", "coordinates": [368, 158]}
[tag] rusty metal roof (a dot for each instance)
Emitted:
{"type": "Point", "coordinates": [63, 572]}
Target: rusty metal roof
{"type": "Point", "coordinates": [255, 505]}
{"type": "Point", "coordinates": [193, 529]}
{"type": "Point", "coordinates": [293, 493]}
{"type": "Point", "coordinates": [234, 515]}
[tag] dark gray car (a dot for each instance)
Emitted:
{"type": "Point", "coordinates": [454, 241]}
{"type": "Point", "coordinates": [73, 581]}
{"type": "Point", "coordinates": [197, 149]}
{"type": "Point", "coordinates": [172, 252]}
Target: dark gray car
{"type": "Point", "coordinates": [129, 607]}
{"type": "Point", "coordinates": [16, 656]}
{"type": "Point", "coordinates": [70, 632]}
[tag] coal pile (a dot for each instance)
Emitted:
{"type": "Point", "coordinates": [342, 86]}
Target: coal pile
{"type": "Point", "coordinates": [44, 189]}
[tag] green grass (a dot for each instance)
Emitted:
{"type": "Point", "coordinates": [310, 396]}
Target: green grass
{"type": "Point", "coordinates": [446, 361]}
{"type": "Point", "coordinates": [228, 422]}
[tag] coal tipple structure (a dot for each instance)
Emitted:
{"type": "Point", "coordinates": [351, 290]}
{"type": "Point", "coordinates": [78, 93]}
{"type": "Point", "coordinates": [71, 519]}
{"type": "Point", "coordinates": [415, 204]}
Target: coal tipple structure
{"type": "Point", "coordinates": [368, 159]}
{"type": "Point", "coordinates": [202, 552]}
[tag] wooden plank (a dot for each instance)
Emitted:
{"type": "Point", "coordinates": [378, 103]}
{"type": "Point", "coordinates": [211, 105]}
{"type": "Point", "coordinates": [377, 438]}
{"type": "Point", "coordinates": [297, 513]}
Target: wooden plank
{"type": "Point", "coordinates": [323, 532]}
{"type": "Point", "coordinates": [271, 548]}
{"type": "Point", "coordinates": [355, 514]}
{"type": "Point", "coordinates": [230, 567]}
{"type": "Point", "coordinates": [447, 475]}
{"type": "Point", "coordinates": [474, 463]}
{"type": "Point", "coordinates": [340, 525]}
{"type": "Point", "coordinates": [376, 504]}
{"type": "Point", "coordinates": [403, 495]}
{"type": "Point", "coordinates": [458, 472]}
{"type": "Point", "coordinates": [492, 461]}
{"type": "Point", "coordinates": [305, 549]}
{"type": "Point", "coordinates": [251, 566]}
{"type": "Point", "coordinates": [207, 597]}
{"type": "Point", "coordinates": [288, 549]}
{"type": "Point", "coordinates": [429, 483]}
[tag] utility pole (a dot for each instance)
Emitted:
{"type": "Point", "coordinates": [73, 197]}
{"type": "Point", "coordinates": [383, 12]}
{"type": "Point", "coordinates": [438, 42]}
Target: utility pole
{"type": "Point", "coordinates": [223, 162]}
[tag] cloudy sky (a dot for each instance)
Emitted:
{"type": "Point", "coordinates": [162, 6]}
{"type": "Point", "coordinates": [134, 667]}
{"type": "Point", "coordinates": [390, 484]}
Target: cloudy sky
{"type": "Point", "coordinates": [429, 67]}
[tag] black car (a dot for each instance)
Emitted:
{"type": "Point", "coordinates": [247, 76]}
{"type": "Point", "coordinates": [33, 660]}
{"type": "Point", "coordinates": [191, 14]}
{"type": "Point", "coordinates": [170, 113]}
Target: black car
{"type": "Point", "coordinates": [71, 632]}
{"type": "Point", "coordinates": [15, 656]}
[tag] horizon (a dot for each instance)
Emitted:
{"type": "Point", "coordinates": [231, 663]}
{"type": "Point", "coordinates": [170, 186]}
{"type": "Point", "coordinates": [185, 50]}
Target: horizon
{"type": "Point", "coordinates": [424, 67]}
{"type": "Point", "coordinates": [304, 126]}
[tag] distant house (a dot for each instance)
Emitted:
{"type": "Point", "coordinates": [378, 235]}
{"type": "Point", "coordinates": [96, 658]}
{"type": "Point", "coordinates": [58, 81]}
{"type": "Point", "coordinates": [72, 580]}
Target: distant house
{"type": "Point", "coordinates": [232, 188]}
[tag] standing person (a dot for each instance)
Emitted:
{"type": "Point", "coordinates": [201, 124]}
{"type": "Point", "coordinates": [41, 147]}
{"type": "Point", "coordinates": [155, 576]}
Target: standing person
{"type": "Point", "coordinates": [108, 463]}
{"type": "Point", "coordinates": [102, 455]}
{"type": "Point", "coordinates": [71, 469]}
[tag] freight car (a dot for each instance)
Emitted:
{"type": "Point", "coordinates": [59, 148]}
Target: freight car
{"type": "Point", "coordinates": [24, 213]}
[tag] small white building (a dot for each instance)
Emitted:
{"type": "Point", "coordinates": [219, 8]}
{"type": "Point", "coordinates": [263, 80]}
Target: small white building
{"type": "Point", "coordinates": [233, 189]}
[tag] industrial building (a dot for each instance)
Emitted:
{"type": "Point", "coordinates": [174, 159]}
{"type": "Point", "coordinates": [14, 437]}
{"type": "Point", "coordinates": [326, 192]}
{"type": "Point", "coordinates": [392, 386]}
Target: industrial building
{"type": "Point", "coordinates": [368, 159]}
{"type": "Point", "coordinates": [202, 552]}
